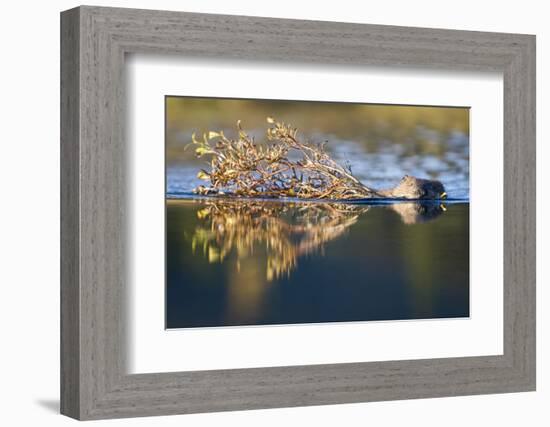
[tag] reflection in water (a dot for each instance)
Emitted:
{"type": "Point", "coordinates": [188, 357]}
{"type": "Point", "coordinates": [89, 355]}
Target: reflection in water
{"type": "Point", "coordinates": [286, 230]}
{"type": "Point", "coordinates": [244, 262]}
{"type": "Point", "coordinates": [418, 212]}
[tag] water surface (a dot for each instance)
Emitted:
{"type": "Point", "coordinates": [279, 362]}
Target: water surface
{"type": "Point", "coordinates": [243, 262]}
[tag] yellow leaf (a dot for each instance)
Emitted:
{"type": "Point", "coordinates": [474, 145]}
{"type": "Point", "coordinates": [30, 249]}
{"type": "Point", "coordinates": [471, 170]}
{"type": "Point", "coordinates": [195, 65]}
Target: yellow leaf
{"type": "Point", "coordinates": [212, 135]}
{"type": "Point", "coordinates": [203, 175]}
{"type": "Point", "coordinates": [203, 213]}
{"type": "Point", "coordinates": [213, 254]}
{"type": "Point", "coordinates": [202, 150]}
{"type": "Point", "coordinates": [270, 120]}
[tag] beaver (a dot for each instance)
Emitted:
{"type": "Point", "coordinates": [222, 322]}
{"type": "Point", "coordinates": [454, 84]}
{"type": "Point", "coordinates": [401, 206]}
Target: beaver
{"type": "Point", "coordinates": [414, 188]}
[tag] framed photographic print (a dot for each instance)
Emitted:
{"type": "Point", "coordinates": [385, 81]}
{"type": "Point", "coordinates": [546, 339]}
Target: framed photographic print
{"type": "Point", "coordinates": [262, 213]}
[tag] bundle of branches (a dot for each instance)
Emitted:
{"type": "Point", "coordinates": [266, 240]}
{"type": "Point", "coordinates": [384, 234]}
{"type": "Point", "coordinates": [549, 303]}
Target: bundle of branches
{"type": "Point", "coordinates": [243, 167]}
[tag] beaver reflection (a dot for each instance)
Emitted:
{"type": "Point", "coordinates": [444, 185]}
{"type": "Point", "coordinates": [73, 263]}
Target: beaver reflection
{"type": "Point", "coordinates": [414, 213]}
{"type": "Point", "coordinates": [285, 231]}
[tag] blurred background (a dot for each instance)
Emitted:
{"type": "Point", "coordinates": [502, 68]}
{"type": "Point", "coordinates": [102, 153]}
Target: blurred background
{"type": "Point", "coordinates": [380, 142]}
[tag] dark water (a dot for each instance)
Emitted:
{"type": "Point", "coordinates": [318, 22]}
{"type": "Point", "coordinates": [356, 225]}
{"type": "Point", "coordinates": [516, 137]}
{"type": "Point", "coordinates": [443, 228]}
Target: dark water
{"type": "Point", "coordinates": [265, 262]}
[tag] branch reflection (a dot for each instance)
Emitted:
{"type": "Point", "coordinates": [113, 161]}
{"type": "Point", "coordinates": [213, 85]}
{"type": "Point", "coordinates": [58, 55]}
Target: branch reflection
{"type": "Point", "coordinates": [284, 231]}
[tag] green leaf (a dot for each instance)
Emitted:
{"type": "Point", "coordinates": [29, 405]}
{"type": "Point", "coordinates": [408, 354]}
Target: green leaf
{"type": "Point", "coordinates": [203, 175]}
{"type": "Point", "coordinates": [202, 150]}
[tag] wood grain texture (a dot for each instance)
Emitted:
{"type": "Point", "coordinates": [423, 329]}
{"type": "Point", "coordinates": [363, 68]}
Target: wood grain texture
{"type": "Point", "coordinates": [70, 333]}
{"type": "Point", "coordinates": [95, 275]}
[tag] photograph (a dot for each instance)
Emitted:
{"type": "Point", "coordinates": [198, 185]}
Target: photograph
{"type": "Point", "coordinates": [284, 212]}
{"type": "Point", "coordinates": [273, 212]}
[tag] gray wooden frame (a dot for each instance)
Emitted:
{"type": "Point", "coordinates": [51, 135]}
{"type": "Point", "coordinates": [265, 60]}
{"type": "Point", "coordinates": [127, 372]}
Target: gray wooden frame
{"type": "Point", "coordinates": [94, 41]}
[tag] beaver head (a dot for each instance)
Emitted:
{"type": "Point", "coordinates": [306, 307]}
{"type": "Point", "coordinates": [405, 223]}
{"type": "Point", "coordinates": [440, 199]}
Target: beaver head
{"type": "Point", "coordinates": [417, 188]}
